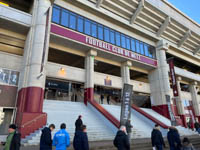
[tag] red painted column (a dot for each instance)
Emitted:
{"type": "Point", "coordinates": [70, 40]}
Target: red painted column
{"type": "Point", "coordinates": [89, 76]}
{"type": "Point", "coordinates": [32, 77]}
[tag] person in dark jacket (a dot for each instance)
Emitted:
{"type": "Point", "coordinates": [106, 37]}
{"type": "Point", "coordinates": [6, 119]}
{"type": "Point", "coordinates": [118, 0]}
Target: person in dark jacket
{"type": "Point", "coordinates": [197, 127]}
{"type": "Point", "coordinates": [187, 145]}
{"type": "Point", "coordinates": [174, 139]}
{"type": "Point", "coordinates": [46, 139]}
{"type": "Point", "coordinates": [78, 123]}
{"type": "Point", "coordinates": [13, 139]}
{"type": "Point", "coordinates": [80, 141]}
{"type": "Point", "coordinates": [108, 99]}
{"type": "Point", "coordinates": [121, 140]}
{"type": "Point", "coordinates": [157, 139]}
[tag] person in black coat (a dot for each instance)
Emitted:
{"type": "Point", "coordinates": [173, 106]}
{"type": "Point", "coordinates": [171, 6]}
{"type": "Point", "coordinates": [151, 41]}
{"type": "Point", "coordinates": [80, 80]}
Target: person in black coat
{"type": "Point", "coordinates": [80, 141]}
{"type": "Point", "coordinates": [174, 139]}
{"type": "Point", "coordinates": [157, 139]}
{"type": "Point", "coordinates": [121, 140]}
{"type": "Point", "coordinates": [78, 123]}
{"type": "Point", "coordinates": [13, 139]}
{"type": "Point", "coordinates": [45, 139]}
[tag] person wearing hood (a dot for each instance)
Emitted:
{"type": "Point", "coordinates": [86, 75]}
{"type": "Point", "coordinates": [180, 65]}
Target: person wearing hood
{"type": "Point", "coordinates": [80, 141]}
{"type": "Point", "coordinates": [46, 139]}
{"type": "Point", "coordinates": [187, 145]}
{"type": "Point", "coordinates": [121, 140]}
{"type": "Point", "coordinates": [174, 139]}
{"type": "Point", "coordinates": [157, 138]}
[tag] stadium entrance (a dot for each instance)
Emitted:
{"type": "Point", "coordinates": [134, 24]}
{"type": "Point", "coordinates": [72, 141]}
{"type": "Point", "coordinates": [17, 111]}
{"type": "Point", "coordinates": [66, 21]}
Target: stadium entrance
{"type": "Point", "coordinates": [64, 90]}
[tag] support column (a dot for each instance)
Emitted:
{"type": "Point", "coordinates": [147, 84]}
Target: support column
{"type": "Point", "coordinates": [33, 74]}
{"type": "Point", "coordinates": [89, 74]}
{"type": "Point", "coordinates": [179, 103]}
{"type": "Point", "coordinates": [195, 100]}
{"type": "Point", "coordinates": [125, 72]}
{"type": "Point", "coordinates": [159, 81]}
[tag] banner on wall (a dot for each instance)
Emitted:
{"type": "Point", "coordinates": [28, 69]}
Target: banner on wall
{"type": "Point", "coordinates": [108, 81]}
{"type": "Point", "coordinates": [126, 103]}
{"type": "Point", "coordinates": [173, 76]}
{"type": "Point", "coordinates": [171, 113]}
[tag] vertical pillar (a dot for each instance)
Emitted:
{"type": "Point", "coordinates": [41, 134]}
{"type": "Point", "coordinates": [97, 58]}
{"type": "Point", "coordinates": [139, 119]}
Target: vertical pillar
{"type": "Point", "coordinates": [125, 72]}
{"type": "Point", "coordinates": [179, 103]}
{"type": "Point", "coordinates": [89, 76]}
{"type": "Point", "coordinates": [159, 81]}
{"type": "Point", "coordinates": [195, 100]}
{"type": "Point", "coordinates": [33, 74]}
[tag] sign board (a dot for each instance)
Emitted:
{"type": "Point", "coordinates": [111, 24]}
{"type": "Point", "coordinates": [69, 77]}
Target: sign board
{"type": "Point", "coordinates": [171, 114]}
{"type": "Point", "coordinates": [101, 45]}
{"type": "Point", "coordinates": [126, 103]}
{"type": "Point", "coordinates": [173, 77]}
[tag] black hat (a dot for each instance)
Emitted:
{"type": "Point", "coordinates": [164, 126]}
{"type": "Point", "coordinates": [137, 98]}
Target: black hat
{"type": "Point", "coordinates": [12, 126]}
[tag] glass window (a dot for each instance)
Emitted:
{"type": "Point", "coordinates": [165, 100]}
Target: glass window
{"type": "Point", "coordinates": [153, 52]}
{"type": "Point", "coordinates": [128, 43]}
{"type": "Point", "coordinates": [87, 27]}
{"type": "Point", "coordinates": [123, 41]}
{"type": "Point", "coordinates": [56, 14]}
{"type": "Point", "coordinates": [94, 29]}
{"type": "Point", "coordinates": [65, 18]}
{"type": "Point", "coordinates": [106, 34]}
{"type": "Point", "coordinates": [112, 36]}
{"type": "Point", "coordinates": [14, 77]}
{"type": "Point", "coordinates": [117, 36]}
{"type": "Point", "coordinates": [133, 45]}
{"type": "Point", "coordinates": [142, 48]}
{"type": "Point", "coordinates": [137, 43]}
{"type": "Point", "coordinates": [80, 24]}
{"type": "Point", "coordinates": [150, 51]}
{"type": "Point", "coordinates": [4, 75]}
{"type": "Point", "coordinates": [146, 50]}
{"type": "Point", "coordinates": [100, 32]}
{"type": "Point", "coordinates": [72, 21]}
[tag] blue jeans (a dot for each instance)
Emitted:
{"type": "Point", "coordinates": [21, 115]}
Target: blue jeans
{"type": "Point", "coordinates": [159, 147]}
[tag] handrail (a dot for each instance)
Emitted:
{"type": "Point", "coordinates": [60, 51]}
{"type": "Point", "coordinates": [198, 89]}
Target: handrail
{"type": "Point", "coordinates": [149, 116]}
{"type": "Point", "coordinates": [105, 113]}
{"type": "Point", "coordinates": [35, 119]}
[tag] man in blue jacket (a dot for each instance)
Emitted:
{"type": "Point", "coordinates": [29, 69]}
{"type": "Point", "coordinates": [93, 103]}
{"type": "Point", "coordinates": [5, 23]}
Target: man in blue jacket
{"type": "Point", "coordinates": [61, 139]}
{"type": "Point", "coordinates": [45, 139]}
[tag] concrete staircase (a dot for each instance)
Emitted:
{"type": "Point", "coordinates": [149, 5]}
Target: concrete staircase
{"type": "Point", "coordinates": [141, 128]}
{"type": "Point", "coordinates": [67, 112]}
{"type": "Point", "coordinates": [182, 131]}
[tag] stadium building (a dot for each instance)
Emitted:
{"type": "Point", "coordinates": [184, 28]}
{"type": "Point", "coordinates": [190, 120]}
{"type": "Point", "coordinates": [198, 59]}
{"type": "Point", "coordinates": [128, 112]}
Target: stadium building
{"type": "Point", "coordinates": [58, 57]}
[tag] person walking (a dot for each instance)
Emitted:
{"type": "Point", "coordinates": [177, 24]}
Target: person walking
{"type": "Point", "coordinates": [61, 139]}
{"type": "Point", "coordinates": [108, 99]}
{"type": "Point", "coordinates": [187, 145]}
{"type": "Point", "coordinates": [129, 129]}
{"type": "Point", "coordinates": [121, 140]}
{"type": "Point", "coordinates": [80, 141]}
{"type": "Point", "coordinates": [157, 138]}
{"type": "Point", "coordinates": [101, 98]}
{"type": "Point", "coordinates": [45, 139]}
{"type": "Point", "coordinates": [78, 123]}
{"type": "Point", "coordinates": [174, 139]}
{"type": "Point", "coordinates": [197, 126]}
{"type": "Point", "coordinates": [13, 139]}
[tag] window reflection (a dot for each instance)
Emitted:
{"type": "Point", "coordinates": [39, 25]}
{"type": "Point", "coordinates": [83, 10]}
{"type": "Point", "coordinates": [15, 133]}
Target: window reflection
{"type": "Point", "coordinates": [65, 18]}
{"type": "Point", "coordinates": [81, 24]}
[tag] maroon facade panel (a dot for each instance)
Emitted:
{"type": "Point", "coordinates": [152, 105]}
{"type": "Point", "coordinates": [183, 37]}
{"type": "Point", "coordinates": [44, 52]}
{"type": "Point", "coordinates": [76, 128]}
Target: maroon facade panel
{"type": "Point", "coordinates": [29, 113]}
